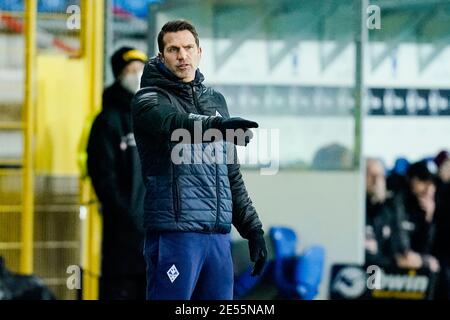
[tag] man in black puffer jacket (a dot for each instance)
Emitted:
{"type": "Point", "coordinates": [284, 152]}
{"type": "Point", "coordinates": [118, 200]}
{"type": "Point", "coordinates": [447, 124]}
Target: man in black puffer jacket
{"type": "Point", "coordinates": [115, 170]}
{"type": "Point", "coordinates": [190, 205]}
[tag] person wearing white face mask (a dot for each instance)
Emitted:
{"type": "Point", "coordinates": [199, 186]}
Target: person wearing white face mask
{"type": "Point", "coordinates": [114, 167]}
{"type": "Point", "coordinates": [132, 79]}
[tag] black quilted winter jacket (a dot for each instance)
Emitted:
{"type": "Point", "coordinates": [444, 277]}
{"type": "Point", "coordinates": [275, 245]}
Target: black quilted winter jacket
{"type": "Point", "coordinates": [190, 196]}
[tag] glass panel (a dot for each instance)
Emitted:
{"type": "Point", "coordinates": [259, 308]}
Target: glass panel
{"type": "Point", "coordinates": [289, 65]}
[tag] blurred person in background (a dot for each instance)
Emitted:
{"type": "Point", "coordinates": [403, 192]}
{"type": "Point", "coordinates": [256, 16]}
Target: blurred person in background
{"type": "Point", "coordinates": [381, 224]}
{"type": "Point", "coordinates": [442, 161]}
{"type": "Point", "coordinates": [114, 167]}
{"type": "Point", "coordinates": [396, 180]}
{"type": "Point", "coordinates": [417, 208]}
{"type": "Point", "coordinates": [375, 215]}
{"type": "Point", "coordinates": [442, 242]}
{"type": "Point", "coordinates": [333, 156]}
{"type": "Point", "coordinates": [388, 241]}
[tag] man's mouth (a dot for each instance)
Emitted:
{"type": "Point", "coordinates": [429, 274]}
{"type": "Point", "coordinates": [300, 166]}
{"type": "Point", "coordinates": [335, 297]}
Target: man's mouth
{"type": "Point", "coordinates": [183, 66]}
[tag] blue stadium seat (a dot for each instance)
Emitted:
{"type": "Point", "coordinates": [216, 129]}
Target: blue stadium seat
{"type": "Point", "coordinates": [401, 165]}
{"type": "Point", "coordinates": [284, 241]}
{"type": "Point", "coordinates": [297, 277]}
{"type": "Point", "coordinates": [43, 5]}
{"type": "Point", "coordinates": [309, 272]}
{"type": "Point", "coordinates": [53, 5]}
{"type": "Point", "coordinates": [12, 5]}
{"type": "Point", "coordinates": [138, 8]}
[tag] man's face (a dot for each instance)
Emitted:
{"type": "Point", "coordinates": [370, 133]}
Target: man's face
{"type": "Point", "coordinates": [375, 180]}
{"type": "Point", "coordinates": [181, 54]}
{"type": "Point", "coordinates": [423, 189]}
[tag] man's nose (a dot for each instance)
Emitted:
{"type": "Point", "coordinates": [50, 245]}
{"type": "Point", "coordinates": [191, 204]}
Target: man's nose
{"type": "Point", "coordinates": [182, 54]}
{"type": "Point", "coordinates": [379, 179]}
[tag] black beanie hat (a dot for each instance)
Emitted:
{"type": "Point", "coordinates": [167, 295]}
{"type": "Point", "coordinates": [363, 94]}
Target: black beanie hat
{"type": "Point", "coordinates": [124, 56]}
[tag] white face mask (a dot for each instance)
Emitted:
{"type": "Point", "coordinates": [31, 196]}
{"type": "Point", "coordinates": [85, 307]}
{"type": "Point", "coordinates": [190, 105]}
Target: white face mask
{"type": "Point", "coordinates": [132, 81]}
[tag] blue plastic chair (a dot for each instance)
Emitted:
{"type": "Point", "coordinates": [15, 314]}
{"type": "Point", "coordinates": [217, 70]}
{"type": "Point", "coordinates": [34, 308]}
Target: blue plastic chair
{"type": "Point", "coordinates": [284, 242]}
{"type": "Point", "coordinates": [309, 272]}
{"type": "Point", "coordinates": [297, 277]}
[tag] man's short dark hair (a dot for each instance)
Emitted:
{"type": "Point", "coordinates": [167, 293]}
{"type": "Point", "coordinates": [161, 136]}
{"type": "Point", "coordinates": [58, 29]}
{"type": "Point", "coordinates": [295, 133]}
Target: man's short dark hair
{"type": "Point", "coordinates": [175, 26]}
{"type": "Point", "coordinates": [423, 170]}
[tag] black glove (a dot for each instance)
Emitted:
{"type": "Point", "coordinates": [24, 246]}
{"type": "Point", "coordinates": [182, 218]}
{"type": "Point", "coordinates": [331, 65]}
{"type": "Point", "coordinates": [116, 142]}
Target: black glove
{"type": "Point", "coordinates": [235, 123]}
{"type": "Point", "coordinates": [258, 251]}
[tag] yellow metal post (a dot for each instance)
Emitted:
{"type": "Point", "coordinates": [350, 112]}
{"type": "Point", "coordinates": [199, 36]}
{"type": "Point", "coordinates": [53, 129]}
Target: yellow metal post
{"type": "Point", "coordinates": [27, 223]}
{"type": "Point", "coordinates": [92, 35]}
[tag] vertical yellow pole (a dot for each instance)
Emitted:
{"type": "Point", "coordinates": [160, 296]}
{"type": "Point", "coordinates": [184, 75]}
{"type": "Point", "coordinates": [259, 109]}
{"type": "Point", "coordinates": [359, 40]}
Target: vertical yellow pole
{"type": "Point", "coordinates": [84, 186]}
{"type": "Point", "coordinates": [27, 223]}
{"type": "Point", "coordinates": [92, 48]}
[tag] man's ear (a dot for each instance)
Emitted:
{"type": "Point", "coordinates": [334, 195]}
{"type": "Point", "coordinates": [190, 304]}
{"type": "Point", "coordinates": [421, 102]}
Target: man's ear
{"type": "Point", "coordinates": [200, 51]}
{"type": "Point", "coordinates": [160, 56]}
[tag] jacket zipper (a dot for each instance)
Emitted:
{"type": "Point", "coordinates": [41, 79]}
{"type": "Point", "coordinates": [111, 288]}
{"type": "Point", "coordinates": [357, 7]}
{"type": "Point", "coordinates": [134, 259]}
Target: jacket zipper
{"type": "Point", "coordinates": [196, 105]}
{"type": "Point", "coordinates": [218, 197]}
{"type": "Point", "coordinates": [194, 96]}
{"type": "Point", "coordinates": [175, 190]}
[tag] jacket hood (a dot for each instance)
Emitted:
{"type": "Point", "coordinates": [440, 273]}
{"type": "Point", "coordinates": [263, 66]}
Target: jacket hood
{"type": "Point", "coordinates": [157, 74]}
